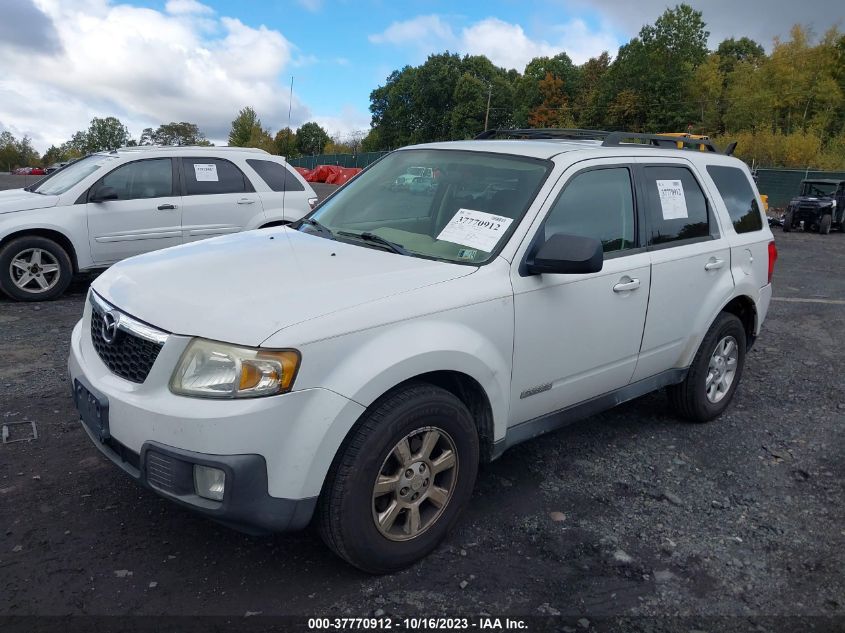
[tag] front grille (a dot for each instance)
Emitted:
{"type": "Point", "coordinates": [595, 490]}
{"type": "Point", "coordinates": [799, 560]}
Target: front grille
{"type": "Point", "coordinates": [128, 355]}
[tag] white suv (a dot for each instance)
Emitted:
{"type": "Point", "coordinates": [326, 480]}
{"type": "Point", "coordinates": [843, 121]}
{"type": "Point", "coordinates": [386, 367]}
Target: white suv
{"type": "Point", "coordinates": [361, 363]}
{"type": "Point", "coordinates": [109, 206]}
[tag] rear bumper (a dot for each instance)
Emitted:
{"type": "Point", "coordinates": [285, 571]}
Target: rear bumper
{"type": "Point", "coordinates": [246, 505]}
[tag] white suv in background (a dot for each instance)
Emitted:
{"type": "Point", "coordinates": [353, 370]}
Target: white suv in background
{"type": "Point", "coordinates": [109, 206]}
{"type": "Point", "coordinates": [361, 363]}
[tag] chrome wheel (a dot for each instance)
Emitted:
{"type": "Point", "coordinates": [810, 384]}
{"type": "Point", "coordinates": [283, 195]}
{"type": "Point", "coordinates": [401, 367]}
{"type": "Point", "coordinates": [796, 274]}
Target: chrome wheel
{"type": "Point", "coordinates": [415, 484]}
{"type": "Point", "coordinates": [722, 369]}
{"type": "Point", "coordinates": [34, 270]}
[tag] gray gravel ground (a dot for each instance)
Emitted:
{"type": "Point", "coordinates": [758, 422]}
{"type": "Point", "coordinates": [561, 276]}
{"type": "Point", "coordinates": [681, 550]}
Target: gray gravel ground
{"type": "Point", "coordinates": [630, 514]}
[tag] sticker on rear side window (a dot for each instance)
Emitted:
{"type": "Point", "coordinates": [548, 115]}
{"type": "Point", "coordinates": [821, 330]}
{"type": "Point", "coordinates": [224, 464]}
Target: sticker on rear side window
{"type": "Point", "coordinates": [475, 229]}
{"type": "Point", "coordinates": [206, 172]}
{"type": "Point", "coordinates": [672, 200]}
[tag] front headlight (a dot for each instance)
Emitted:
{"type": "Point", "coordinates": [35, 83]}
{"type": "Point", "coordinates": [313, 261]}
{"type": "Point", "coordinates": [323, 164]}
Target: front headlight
{"type": "Point", "coordinates": [209, 369]}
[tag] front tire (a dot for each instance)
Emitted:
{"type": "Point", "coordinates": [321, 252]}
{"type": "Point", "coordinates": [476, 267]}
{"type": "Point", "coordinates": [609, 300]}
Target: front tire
{"type": "Point", "coordinates": [824, 225]}
{"type": "Point", "coordinates": [787, 222]}
{"type": "Point", "coordinates": [400, 480]}
{"type": "Point", "coordinates": [34, 268]}
{"type": "Point", "coordinates": [715, 372]}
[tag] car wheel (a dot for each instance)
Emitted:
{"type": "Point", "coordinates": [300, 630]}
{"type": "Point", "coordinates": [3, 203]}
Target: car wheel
{"type": "Point", "coordinates": [400, 479]}
{"type": "Point", "coordinates": [787, 222]}
{"type": "Point", "coordinates": [34, 268]}
{"type": "Point", "coordinates": [824, 225]}
{"type": "Point", "coordinates": [715, 372]}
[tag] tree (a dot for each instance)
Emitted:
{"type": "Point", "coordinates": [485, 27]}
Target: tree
{"type": "Point", "coordinates": [178, 134]}
{"type": "Point", "coordinates": [311, 138]}
{"type": "Point", "coordinates": [105, 135]}
{"type": "Point", "coordinates": [9, 157]}
{"type": "Point", "coordinates": [243, 126]}
{"type": "Point", "coordinates": [553, 110]}
{"type": "Point", "coordinates": [732, 51]}
{"type": "Point", "coordinates": [285, 143]}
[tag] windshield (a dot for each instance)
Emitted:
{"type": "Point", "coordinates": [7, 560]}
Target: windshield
{"type": "Point", "coordinates": [464, 210]}
{"type": "Point", "coordinates": [819, 189]}
{"type": "Point", "coordinates": [60, 181]}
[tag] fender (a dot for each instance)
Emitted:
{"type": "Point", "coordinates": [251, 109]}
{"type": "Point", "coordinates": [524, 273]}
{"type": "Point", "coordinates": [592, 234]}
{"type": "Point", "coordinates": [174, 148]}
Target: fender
{"type": "Point", "coordinates": [81, 255]}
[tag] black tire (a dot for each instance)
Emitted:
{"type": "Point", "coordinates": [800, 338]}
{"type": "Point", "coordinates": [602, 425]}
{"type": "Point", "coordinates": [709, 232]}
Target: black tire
{"type": "Point", "coordinates": [689, 398]}
{"type": "Point", "coordinates": [787, 222]}
{"type": "Point", "coordinates": [824, 225]}
{"type": "Point", "coordinates": [346, 508]}
{"type": "Point", "coordinates": [21, 245]}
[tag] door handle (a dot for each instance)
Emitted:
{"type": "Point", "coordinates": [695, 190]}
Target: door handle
{"type": "Point", "coordinates": [714, 264]}
{"type": "Point", "coordinates": [624, 286]}
{"type": "Point", "coordinates": [166, 207]}
{"type": "Point", "coordinates": [246, 201]}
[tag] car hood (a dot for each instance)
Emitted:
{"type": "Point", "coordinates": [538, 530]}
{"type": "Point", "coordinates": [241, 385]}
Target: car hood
{"type": "Point", "coordinates": [245, 287]}
{"type": "Point", "coordinates": [21, 200]}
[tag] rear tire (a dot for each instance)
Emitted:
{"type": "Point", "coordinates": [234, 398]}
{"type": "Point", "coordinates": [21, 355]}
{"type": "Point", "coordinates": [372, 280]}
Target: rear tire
{"type": "Point", "coordinates": [824, 225]}
{"type": "Point", "coordinates": [34, 268]}
{"type": "Point", "coordinates": [397, 459]}
{"type": "Point", "coordinates": [712, 378]}
{"type": "Point", "coordinates": [787, 222]}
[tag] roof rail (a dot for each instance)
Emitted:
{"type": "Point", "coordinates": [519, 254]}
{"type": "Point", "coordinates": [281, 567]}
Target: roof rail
{"type": "Point", "coordinates": [543, 133]}
{"type": "Point", "coordinates": [202, 148]}
{"type": "Point", "coordinates": [658, 140]}
{"type": "Point", "coordinates": [609, 139]}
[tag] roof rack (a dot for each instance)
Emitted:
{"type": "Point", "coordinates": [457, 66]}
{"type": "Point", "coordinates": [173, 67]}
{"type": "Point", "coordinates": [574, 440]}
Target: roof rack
{"type": "Point", "coordinates": [543, 133]}
{"type": "Point", "coordinates": [609, 139]}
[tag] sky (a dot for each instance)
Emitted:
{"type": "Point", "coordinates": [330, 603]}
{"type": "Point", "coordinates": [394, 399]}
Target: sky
{"type": "Point", "coordinates": [149, 62]}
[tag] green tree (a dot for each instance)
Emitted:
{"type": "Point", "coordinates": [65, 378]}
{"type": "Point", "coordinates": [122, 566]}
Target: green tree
{"type": "Point", "coordinates": [311, 138]}
{"type": "Point", "coordinates": [179, 134]}
{"type": "Point", "coordinates": [285, 143]}
{"type": "Point", "coordinates": [243, 127]}
{"type": "Point", "coordinates": [9, 155]}
{"type": "Point", "coordinates": [105, 134]}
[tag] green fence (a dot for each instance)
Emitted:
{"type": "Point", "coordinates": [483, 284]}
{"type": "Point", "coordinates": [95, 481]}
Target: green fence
{"type": "Point", "coordinates": [783, 184]}
{"type": "Point", "coordinates": [341, 160]}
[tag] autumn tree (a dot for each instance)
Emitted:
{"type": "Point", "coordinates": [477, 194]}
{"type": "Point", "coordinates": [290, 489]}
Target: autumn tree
{"type": "Point", "coordinates": [553, 110]}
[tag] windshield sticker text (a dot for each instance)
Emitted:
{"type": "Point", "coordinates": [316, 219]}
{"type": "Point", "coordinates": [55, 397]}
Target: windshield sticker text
{"type": "Point", "coordinates": [206, 172]}
{"type": "Point", "coordinates": [475, 229]}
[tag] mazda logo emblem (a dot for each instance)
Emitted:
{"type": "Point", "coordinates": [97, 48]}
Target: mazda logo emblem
{"type": "Point", "coordinates": [110, 321]}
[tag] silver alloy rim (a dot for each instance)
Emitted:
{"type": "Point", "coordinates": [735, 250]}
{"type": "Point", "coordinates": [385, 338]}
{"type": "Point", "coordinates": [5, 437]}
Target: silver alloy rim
{"type": "Point", "coordinates": [415, 483]}
{"type": "Point", "coordinates": [722, 369]}
{"type": "Point", "coordinates": [34, 270]}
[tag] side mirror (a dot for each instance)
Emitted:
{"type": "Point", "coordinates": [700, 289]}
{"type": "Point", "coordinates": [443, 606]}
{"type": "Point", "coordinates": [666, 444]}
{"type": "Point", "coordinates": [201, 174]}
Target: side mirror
{"type": "Point", "coordinates": [567, 255]}
{"type": "Point", "coordinates": [104, 193]}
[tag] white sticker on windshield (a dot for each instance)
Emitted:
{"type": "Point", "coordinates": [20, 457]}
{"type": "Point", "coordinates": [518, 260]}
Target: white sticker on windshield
{"type": "Point", "coordinates": [475, 229]}
{"type": "Point", "coordinates": [672, 200]}
{"type": "Point", "coordinates": [206, 172]}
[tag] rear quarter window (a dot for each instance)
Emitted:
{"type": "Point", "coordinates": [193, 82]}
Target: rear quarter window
{"type": "Point", "coordinates": [277, 176]}
{"type": "Point", "coordinates": [739, 197]}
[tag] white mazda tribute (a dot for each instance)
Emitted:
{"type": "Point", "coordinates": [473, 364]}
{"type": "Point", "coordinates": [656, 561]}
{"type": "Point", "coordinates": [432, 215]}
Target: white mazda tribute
{"type": "Point", "coordinates": [357, 366]}
{"type": "Point", "coordinates": [109, 206]}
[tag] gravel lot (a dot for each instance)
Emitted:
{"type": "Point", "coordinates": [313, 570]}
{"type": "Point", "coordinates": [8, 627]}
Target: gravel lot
{"type": "Point", "coordinates": [631, 513]}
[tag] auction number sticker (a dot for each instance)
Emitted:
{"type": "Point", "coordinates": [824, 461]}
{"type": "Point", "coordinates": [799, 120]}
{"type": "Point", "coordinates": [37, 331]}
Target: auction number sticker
{"type": "Point", "coordinates": [206, 172]}
{"type": "Point", "coordinates": [475, 229]}
{"type": "Point", "coordinates": [672, 200]}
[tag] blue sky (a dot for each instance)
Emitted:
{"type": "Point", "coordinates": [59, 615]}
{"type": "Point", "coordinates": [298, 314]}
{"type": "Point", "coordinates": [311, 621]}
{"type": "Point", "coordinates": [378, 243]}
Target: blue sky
{"type": "Point", "coordinates": [153, 61]}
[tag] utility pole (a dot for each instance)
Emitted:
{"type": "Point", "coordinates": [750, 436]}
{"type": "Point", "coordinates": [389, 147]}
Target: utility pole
{"type": "Point", "coordinates": [487, 114]}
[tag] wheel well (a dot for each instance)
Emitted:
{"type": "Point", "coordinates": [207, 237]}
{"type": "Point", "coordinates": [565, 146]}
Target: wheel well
{"type": "Point", "coordinates": [57, 237]}
{"type": "Point", "coordinates": [472, 394]}
{"type": "Point", "coordinates": [274, 223]}
{"type": "Point", "coordinates": [743, 307]}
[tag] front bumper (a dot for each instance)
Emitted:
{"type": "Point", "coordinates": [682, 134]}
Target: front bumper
{"type": "Point", "coordinates": [275, 451]}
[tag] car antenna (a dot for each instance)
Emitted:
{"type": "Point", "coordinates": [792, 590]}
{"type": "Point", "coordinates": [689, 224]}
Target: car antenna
{"type": "Point", "coordinates": [287, 150]}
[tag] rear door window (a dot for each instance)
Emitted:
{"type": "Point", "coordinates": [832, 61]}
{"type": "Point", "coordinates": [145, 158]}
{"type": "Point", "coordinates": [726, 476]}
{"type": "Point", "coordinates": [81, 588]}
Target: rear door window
{"type": "Point", "coordinates": [676, 206]}
{"type": "Point", "coordinates": [277, 177]}
{"type": "Point", "coordinates": [204, 176]}
{"type": "Point", "coordinates": [739, 197]}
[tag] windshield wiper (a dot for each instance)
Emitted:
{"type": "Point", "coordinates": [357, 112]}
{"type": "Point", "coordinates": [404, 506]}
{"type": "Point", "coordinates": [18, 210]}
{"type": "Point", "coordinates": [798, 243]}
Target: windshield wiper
{"type": "Point", "coordinates": [376, 239]}
{"type": "Point", "coordinates": [321, 228]}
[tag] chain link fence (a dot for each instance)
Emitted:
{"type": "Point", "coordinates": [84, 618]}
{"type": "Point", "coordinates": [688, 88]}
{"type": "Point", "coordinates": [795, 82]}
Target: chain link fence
{"type": "Point", "coordinates": [781, 185]}
{"type": "Point", "coordinates": [341, 160]}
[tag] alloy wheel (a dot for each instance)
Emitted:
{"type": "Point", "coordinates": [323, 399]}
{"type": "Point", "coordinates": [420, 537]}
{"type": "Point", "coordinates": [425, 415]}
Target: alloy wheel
{"type": "Point", "coordinates": [722, 369]}
{"type": "Point", "coordinates": [34, 270]}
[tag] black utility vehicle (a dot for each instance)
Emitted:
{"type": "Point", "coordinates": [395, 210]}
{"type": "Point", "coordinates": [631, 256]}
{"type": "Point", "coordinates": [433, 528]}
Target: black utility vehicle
{"type": "Point", "coordinates": [820, 206]}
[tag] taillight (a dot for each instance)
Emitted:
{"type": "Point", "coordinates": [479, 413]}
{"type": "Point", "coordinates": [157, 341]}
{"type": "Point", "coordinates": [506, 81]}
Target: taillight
{"type": "Point", "coordinates": [773, 257]}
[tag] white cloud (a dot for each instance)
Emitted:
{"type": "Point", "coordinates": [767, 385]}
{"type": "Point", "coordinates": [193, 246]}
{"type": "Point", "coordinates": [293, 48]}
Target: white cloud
{"type": "Point", "coordinates": [351, 119]}
{"type": "Point", "coordinates": [187, 7]}
{"type": "Point", "coordinates": [311, 5]}
{"type": "Point", "coordinates": [504, 43]}
{"type": "Point", "coordinates": [146, 67]}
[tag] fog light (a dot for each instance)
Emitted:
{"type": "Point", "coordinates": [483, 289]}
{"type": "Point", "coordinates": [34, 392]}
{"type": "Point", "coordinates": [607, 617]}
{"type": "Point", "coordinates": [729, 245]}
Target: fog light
{"type": "Point", "coordinates": [209, 482]}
